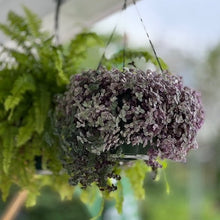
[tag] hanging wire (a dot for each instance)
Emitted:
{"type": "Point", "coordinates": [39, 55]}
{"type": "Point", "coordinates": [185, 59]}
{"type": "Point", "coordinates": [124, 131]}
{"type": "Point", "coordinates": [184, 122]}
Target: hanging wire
{"type": "Point", "coordinates": [110, 38]}
{"type": "Point", "coordinates": [148, 36]}
{"type": "Point", "coordinates": [124, 37]}
{"type": "Point", "coordinates": [56, 23]}
{"type": "Point", "coordinates": [107, 44]}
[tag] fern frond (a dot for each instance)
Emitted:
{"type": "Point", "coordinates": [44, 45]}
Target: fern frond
{"type": "Point", "coordinates": [16, 28]}
{"type": "Point", "coordinates": [6, 81]}
{"type": "Point", "coordinates": [5, 185]}
{"type": "Point", "coordinates": [3, 126]}
{"type": "Point", "coordinates": [62, 78]}
{"type": "Point", "coordinates": [20, 57]}
{"type": "Point", "coordinates": [12, 101]}
{"type": "Point", "coordinates": [117, 59]}
{"type": "Point", "coordinates": [33, 21]}
{"type": "Point", "coordinates": [78, 48]}
{"type": "Point", "coordinates": [2, 113]}
{"type": "Point", "coordinates": [18, 23]}
{"type": "Point", "coordinates": [41, 107]}
{"type": "Point", "coordinates": [13, 35]}
{"type": "Point", "coordinates": [8, 148]}
{"type": "Point", "coordinates": [26, 131]}
{"type": "Point", "coordinates": [23, 84]}
{"type": "Point", "coordinates": [83, 40]}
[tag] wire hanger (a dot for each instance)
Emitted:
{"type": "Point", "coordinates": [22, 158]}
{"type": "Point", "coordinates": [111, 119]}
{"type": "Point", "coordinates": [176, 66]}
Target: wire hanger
{"type": "Point", "coordinates": [56, 20]}
{"type": "Point", "coordinates": [124, 7]}
{"type": "Point", "coordinates": [148, 36]}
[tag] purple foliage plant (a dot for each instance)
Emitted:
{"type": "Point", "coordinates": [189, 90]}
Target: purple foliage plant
{"type": "Point", "coordinates": [104, 114]}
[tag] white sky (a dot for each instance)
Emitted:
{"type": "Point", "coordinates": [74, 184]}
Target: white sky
{"type": "Point", "coordinates": [190, 25]}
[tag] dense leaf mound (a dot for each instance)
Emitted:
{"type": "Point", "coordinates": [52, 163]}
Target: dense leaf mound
{"type": "Point", "coordinates": [106, 112]}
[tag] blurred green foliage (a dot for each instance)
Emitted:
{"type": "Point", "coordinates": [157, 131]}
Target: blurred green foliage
{"type": "Point", "coordinates": [178, 204]}
{"type": "Point", "coordinates": [31, 74]}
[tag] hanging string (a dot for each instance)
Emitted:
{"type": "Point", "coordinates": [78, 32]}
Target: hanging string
{"type": "Point", "coordinates": [110, 38]}
{"type": "Point", "coordinates": [106, 46]}
{"type": "Point", "coordinates": [56, 23]}
{"type": "Point", "coordinates": [124, 49]}
{"type": "Point", "coordinates": [148, 36]}
{"type": "Point", "coordinates": [124, 37]}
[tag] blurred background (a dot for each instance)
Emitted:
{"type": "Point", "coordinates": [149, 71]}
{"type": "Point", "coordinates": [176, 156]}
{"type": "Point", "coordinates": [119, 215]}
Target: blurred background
{"type": "Point", "coordinates": [186, 34]}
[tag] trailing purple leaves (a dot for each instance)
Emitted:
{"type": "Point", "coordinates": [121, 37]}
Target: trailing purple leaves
{"type": "Point", "coordinates": [106, 114]}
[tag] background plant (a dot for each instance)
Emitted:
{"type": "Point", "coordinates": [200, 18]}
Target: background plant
{"type": "Point", "coordinates": [31, 73]}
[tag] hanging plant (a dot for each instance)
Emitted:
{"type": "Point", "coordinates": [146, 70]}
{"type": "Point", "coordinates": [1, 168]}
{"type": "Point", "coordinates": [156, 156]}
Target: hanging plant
{"type": "Point", "coordinates": [109, 116]}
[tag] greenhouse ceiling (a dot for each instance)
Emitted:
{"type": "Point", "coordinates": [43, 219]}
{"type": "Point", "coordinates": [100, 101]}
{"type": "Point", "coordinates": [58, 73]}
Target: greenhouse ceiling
{"type": "Point", "coordinates": [75, 15]}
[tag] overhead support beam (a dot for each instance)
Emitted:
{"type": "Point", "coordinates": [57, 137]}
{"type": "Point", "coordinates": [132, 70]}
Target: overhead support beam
{"type": "Point", "coordinates": [75, 15]}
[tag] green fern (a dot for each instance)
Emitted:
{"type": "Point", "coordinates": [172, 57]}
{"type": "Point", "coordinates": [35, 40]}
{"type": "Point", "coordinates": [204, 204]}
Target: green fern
{"type": "Point", "coordinates": [33, 23]}
{"type": "Point", "coordinates": [62, 78]}
{"type": "Point", "coordinates": [18, 56]}
{"type": "Point", "coordinates": [8, 148]}
{"type": "Point", "coordinates": [118, 58]}
{"type": "Point", "coordinates": [13, 35]}
{"type": "Point", "coordinates": [16, 29]}
{"type": "Point", "coordinates": [27, 85]}
{"type": "Point", "coordinates": [26, 131]}
{"type": "Point", "coordinates": [22, 84]}
{"type": "Point", "coordinates": [5, 184]}
{"type": "Point", "coordinates": [77, 50]}
{"type": "Point", "coordinates": [41, 107]}
{"type": "Point", "coordinates": [12, 101]}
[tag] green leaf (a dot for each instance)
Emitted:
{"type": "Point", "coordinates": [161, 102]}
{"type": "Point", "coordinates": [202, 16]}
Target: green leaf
{"type": "Point", "coordinates": [5, 185]}
{"type": "Point", "coordinates": [118, 196]}
{"type": "Point", "coordinates": [32, 198]}
{"type": "Point", "coordinates": [136, 174]}
{"type": "Point", "coordinates": [17, 21]}
{"type": "Point", "coordinates": [34, 23]}
{"type": "Point", "coordinates": [11, 102]}
{"type": "Point", "coordinates": [23, 84]}
{"type": "Point", "coordinates": [77, 51]}
{"type": "Point", "coordinates": [25, 132]}
{"type": "Point", "coordinates": [18, 56]}
{"type": "Point", "coordinates": [62, 78]}
{"type": "Point", "coordinates": [166, 182]}
{"type": "Point", "coordinates": [8, 148]}
{"type": "Point", "coordinates": [65, 190]}
{"type": "Point", "coordinates": [164, 164]}
{"type": "Point", "coordinates": [88, 195]}
{"type": "Point", "coordinates": [14, 35]}
{"type": "Point", "coordinates": [117, 59]}
{"type": "Point", "coordinates": [41, 107]}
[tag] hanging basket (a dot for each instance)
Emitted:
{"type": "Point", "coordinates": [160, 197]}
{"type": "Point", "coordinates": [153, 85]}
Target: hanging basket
{"type": "Point", "coordinates": [109, 117]}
